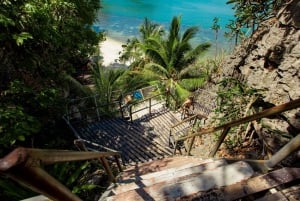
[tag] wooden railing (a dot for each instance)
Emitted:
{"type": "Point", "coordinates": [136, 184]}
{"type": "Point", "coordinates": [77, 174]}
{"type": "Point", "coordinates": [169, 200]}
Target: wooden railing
{"type": "Point", "coordinates": [173, 135]}
{"type": "Point", "coordinates": [226, 127]}
{"type": "Point", "coordinates": [24, 165]}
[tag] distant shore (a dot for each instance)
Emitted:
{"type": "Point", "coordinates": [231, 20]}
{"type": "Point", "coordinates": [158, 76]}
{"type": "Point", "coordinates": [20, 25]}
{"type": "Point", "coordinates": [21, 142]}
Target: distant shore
{"type": "Point", "coordinates": [110, 51]}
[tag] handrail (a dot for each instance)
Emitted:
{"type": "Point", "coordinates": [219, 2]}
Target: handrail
{"type": "Point", "coordinates": [24, 166]}
{"type": "Point", "coordinates": [81, 144]}
{"type": "Point", "coordinates": [226, 127]}
{"type": "Point", "coordinates": [185, 120]}
{"type": "Point", "coordinates": [130, 105]}
{"type": "Point", "coordinates": [94, 106]}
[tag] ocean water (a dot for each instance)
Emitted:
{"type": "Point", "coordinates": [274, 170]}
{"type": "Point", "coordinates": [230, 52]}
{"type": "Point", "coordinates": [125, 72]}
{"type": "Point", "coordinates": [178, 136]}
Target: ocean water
{"type": "Point", "coordinates": [121, 19]}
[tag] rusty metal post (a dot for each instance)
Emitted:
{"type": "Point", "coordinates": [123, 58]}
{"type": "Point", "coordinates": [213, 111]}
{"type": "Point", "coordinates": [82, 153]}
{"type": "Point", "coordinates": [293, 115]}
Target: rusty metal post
{"type": "Point", "coordinates": [108, 170]}
{"type": "Point", "coordinates": [118, 163]}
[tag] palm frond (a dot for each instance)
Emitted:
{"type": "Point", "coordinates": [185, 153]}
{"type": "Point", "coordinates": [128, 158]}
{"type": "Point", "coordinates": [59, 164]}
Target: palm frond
{"type": "Point", "coordinates": [192, 84]}
{"type": "Point", "coordinates": [157, 69]}
{"type": "Point", "coordinates": [194, 54]}
{"type": "Point", "coordinates": [181, 93]}
{"type": "Point", "coordinates": [191, 71]}
{"type": "Point", "coordinates": [189, 34]}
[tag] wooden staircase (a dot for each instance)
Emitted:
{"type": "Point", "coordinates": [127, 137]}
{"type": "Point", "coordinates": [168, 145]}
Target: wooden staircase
{"type": "Point", "coordinates": [144, 139]}
{"type": "Point", "coordinates": [174, 178]}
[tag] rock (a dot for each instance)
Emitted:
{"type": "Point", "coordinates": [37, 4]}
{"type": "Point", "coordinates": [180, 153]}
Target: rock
{"type": "Point", "coordinates": [270, 59]}
{"type": "Point", "coordinates": [290, 14]}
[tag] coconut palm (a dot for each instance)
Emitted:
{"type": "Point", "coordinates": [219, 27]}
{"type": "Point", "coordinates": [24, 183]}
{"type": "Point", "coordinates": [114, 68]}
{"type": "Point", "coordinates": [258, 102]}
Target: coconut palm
{"type": "Point", "coordinates": [172, 59]}
{"type": "Point", "coordinates": [110, 84]}
{"type": "Point", "coordinates": [134, 49]}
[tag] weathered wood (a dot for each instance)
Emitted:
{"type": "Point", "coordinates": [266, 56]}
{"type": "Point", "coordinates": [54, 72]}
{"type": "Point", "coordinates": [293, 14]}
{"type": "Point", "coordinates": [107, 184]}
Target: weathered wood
{"type": "Point", "coordinates": [182, 172]}
{"type": "Point", "coordinates": [178, 187]}
{"type": "Point", "coordinates": [220, 141]}
{"type": "Point", "coordinates": [248, 187]}
{"type": "Point", "coordinates": [260, 183]}
{"type": "Point", "coordinates": [143, 140]}
{"type": "Point", "coordinates": [289, 148]}
{"type": "Point", "coordinates": [278, 196]}
{"type": "Point", "coordinates": [266, 113]}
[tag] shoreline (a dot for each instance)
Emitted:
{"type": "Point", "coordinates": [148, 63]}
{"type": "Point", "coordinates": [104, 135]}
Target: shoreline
{"type": "Point", "coordinates": [111, 48]}
{"type": "Point", "coordinates": [110, 51]}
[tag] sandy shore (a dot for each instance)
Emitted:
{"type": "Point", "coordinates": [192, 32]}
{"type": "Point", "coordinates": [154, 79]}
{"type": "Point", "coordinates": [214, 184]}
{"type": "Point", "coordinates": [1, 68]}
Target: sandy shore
{"type": "Point", "coordinates": [110, 49]}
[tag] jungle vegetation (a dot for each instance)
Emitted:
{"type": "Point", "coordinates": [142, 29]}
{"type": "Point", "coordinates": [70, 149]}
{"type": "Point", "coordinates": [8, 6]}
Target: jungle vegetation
{"type": "Point", "coordinates": [45, 45]}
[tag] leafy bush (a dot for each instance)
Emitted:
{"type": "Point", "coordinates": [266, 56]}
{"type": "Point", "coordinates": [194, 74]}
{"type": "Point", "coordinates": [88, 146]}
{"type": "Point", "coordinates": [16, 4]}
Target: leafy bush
{"type": "Point", "coordinates": [234, 101]}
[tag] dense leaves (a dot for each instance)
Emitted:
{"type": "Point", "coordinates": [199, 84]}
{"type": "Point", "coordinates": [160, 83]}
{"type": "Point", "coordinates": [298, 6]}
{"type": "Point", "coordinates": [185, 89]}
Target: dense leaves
{"type": "Point", "coordinates": [249, 14]}
{"type": "Point", "coordinates": [42, 42]}
{"type": "Point", "coordinates": [167, 57]}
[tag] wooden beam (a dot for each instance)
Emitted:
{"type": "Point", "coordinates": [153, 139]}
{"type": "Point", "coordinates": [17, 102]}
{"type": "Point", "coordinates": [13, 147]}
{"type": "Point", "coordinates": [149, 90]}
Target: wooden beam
{"type": "Point", "coordinates": [220, 141]}
{"type": "Point", "coordinates": [266, 113]}
{"type": "Point", "coordinates": [261, 183]}
{"type": "Point", "coordinates": [249, 187]}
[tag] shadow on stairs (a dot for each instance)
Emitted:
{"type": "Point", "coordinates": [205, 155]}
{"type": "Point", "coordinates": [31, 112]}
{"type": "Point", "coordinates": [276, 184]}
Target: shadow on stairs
{"type": "Point", "coordinates": [185, 178]}
{"type": "Point", "coordinates": [144, 139]}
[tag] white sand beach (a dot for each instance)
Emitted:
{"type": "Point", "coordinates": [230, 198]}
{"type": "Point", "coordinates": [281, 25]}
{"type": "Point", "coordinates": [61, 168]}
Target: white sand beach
{"type": "Point", "coordinates": [110, 49]}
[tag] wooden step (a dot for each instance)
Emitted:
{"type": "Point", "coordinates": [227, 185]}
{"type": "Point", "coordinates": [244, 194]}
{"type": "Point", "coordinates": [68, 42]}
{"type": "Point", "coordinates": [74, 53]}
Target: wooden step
{"type": "Point", "coordinates": [179, 187]}
{"type": "Point", "coordinates": [179, 173]}
{"type": "Point", "coordinates": [255, 185]}
{"type": "Point", "coordinates": [160, 165]}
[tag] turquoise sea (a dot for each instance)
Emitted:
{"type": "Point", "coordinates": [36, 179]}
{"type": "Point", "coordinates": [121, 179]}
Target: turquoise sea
{"type": "Point", "coordinates": [121, 18]}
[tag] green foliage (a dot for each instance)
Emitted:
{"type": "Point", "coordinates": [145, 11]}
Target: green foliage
{"type": "Point", "coordinates": [11, 191]}
{"type": "Point", "coordinates": [20, 38]}
{"type": "Point", "coordinates": [233, 99]}
{"type": "Point", "coordinates": [236, 31]}
{"type": "Point", "coordinates": [166, 56]}
{"type": "Point", "coordinates": [249, 14]}
{"type": "Point", "coordinates": [40, 41]}
{"type": "Point", "coordinates": [16, 125]}
{"type": "Point", "coordinates": [77, 177]}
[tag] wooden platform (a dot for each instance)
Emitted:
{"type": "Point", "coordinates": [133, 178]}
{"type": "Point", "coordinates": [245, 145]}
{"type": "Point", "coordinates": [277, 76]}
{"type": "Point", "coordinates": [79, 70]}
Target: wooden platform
{"type": "Point", "coordinates": [186, 178]}
{"type": "Point", "coordinates": [145, 139]}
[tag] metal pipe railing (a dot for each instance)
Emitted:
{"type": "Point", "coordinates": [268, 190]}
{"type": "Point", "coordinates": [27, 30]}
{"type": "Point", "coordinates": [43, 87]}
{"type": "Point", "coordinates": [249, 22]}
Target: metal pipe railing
{"type": "Point", "coordinates": [149, 107]}
{"type": "Point", "coordinates": [24, 166]}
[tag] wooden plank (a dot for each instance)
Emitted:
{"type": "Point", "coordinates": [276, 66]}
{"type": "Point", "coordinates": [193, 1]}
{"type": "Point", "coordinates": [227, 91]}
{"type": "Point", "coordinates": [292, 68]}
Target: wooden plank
{"type": "Point", "coordinates": [278, 196]}
{"type": "Point", "coordinates": [148, 144]}
{"type": "Point", "coordinates": [137, 143]}
{"type": "Point", "coordinates": [157, 147]}
{"type": "Point", "coordinates": [130, 138]}
{"type": "Point", "coordinates": [134, 141]}
{"type": "Point", "coordinates": [177, 188]}
{"type": "Point", "coordinates": [260, 183]}
{"type": "Point", "coordinates": [185, 171]}
{"type": "Point", "coordinates": [128, 143]}
{"type": "Point", "coordinates": [254, 185]}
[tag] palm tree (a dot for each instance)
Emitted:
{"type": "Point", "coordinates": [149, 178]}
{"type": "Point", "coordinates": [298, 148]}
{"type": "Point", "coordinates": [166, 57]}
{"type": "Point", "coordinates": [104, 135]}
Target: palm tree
{"type": "Point", "coordinates": [111, 84]}
{"type": "Point", "coordinates": [173, 58]}
{"type": "Point", "coordinates": [133, 51]}
{"type": "Point", "coordinates": [216, 27]}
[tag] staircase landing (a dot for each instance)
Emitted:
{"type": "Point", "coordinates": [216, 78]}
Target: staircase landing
{"type": "Point", "coordinates": [144, 139]}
